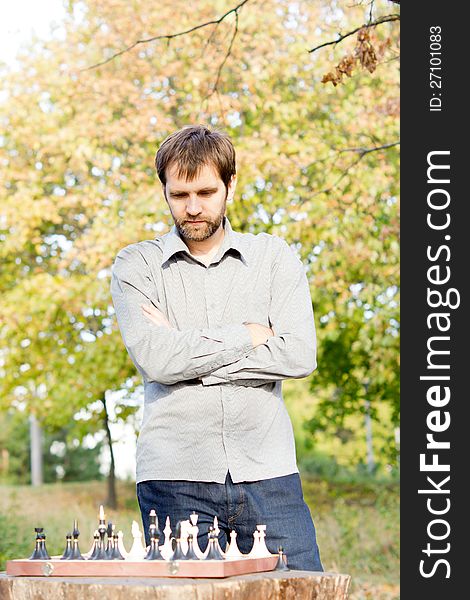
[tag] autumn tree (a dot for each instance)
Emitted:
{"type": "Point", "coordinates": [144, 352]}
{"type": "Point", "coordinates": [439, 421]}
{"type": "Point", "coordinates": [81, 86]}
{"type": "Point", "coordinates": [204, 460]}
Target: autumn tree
{"type": "Point", "coordinates": [317, 165]}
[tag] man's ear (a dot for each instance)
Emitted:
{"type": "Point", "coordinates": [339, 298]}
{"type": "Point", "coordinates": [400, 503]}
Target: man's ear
{"type": "Point", "coordinates": [232, 185]}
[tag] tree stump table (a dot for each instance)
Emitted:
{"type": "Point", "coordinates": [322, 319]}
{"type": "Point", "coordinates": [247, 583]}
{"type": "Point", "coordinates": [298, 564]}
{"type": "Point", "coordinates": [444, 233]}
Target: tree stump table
{"type": "Point", "coordinates": [274, 585]}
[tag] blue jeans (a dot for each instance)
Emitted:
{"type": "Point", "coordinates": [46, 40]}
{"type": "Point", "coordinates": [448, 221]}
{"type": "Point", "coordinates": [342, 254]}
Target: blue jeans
{"type": "Point", "coordinates": [277, 503]}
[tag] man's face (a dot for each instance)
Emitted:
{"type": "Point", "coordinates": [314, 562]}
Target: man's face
{"type": "Point", "coordinates": [197, 206]}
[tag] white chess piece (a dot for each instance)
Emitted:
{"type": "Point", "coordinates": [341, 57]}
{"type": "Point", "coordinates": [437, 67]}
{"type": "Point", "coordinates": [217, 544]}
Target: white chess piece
{"type": "Point", "coordinates": [255, 551]}
{"type": "Point", "coordinates": [263, 549]}
{"type": "Point", "coordinates": [186, 529]}
{"type": "Point", "coordinates": [166, 549]}
{"type": "Point", "coordinates": [122, 548]}
{"type": "Point", "coordinates": [232, 550]}
{"type": "Point", "coordinates": [195, 530]}
{"type": "Point", "coordinates": [138, 551]}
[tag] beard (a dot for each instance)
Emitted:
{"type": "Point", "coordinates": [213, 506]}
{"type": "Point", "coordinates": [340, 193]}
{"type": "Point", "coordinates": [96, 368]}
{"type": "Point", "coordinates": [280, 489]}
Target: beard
{"type": "Point", "coordinates": [197, 232]}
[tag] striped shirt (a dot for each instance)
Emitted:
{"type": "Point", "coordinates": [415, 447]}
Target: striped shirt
{"type": "Point", "coordinates": [212, 402]}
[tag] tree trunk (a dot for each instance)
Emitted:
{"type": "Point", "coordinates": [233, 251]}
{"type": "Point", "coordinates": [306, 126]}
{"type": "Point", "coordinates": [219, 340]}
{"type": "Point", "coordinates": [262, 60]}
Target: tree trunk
{"type": "Point", "coordinates": [111, 501]}
{"type": "Point", "coordinates": [35, 435]}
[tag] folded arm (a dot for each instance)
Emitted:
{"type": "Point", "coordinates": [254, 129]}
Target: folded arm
{"type": "Point", "coordinates": [291, 352]}
{"type": "Point", "coordinates": [160, 353]}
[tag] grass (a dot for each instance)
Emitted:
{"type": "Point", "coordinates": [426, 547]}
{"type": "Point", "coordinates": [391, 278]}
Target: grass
{"type": "Point", "coordinates": [357, 525]}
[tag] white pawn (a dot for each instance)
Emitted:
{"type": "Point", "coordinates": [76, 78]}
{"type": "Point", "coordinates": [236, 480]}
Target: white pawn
{"type": "Point", "coordinates": [256, 551]}
{"type": "Point", "coordinates": [263, 549]}
{"type": "Point", "coordinates": [195, 530]}
{"type": "Point", "coordinates": [167, 548]}
{"type": "Point", "coordinates": [122, 548]}
{"type": "Point", "coordinates": [138, 550]}
{"type": "Point", "coordinates": [232, 550]}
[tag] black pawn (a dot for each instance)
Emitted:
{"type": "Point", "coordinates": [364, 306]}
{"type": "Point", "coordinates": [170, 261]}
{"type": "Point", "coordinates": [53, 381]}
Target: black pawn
{"type": "Point", "coordinates": [178, 553]}
{"type": "Point", "coordinates": [154, 551]}
{"type": "Point", "coordinates": [44, 552]}
{"type": "Point", "coordinates": [214, 548]}
{"type": "Point", "coordinates": [68, 547]}
{"type": "Point", "coordinates": [190, 554]}
{"type": "Point", "coordinates": [281, 564]}
{"type": "Point", "coordinates": [37, 554]}
{"type": "Point", "coordinates": [96, 546]}
{"type": "Point", "coordinates": [109, 544]}
{"type": "Point", "coordinates": [115, 552]}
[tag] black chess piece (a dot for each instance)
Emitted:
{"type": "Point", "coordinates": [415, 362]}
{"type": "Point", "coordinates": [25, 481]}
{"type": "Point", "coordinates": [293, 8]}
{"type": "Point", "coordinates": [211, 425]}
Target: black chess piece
{"type": "Point", "coordinates": [101, 551]}
{"type": "Point", "coordinates": [214, 552]}
{"type": "Point", "coordinates": [115, 552]}
{"type": "Point", "coordinates": [109, 543]}
{"type": "Point", "coordinates": [191, 554]}
{"type": "Point", "coordinates": [154, 551]}
{"type": "Point", "coordinates": [37, 554]}
{"type": "Point", "coordinates": [153, 525]}
{"type": "Point", "coordinates": [178, 553]}
{"type": "Point", "coordinates": [281, 564]}
{"type": "Point", "coordinates": [68, 547]}
{"type": "Point", "coordinates": [44, 552]}
{"type": "Point", "coordinates": [96, 546]}
{"type": "Point", "coordinates": [75, 554]}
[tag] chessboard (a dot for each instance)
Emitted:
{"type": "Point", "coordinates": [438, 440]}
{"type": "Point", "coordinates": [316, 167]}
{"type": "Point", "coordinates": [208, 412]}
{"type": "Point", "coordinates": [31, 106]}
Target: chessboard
{"type": "Point", "coordinates": [55, 567]}
{"type": "Point", "coordinates": [179, 555]}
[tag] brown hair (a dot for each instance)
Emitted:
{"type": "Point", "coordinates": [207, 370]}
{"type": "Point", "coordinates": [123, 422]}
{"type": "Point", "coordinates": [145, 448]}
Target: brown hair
{"type": "Point", "coordinates": [192, 147]}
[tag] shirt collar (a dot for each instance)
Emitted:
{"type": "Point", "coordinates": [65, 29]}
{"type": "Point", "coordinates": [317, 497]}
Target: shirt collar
{"type": "Point", "coordinates": [232, 239]}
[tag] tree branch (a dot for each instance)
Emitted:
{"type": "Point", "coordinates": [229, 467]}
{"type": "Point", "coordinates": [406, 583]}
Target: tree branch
{"type": "Point", "coordinates": [379, 21]}
{"type": "Point", "coordinates": [361, 152]}
{"type": "Point", "coordinates": [168, 36]}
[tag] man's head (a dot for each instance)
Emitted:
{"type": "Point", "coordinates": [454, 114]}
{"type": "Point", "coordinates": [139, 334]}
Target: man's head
{"type": "Point", "coordinates": [198, 173]}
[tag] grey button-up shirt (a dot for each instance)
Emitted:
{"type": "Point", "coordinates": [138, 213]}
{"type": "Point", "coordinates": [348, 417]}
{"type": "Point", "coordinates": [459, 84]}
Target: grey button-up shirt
{"type": "Point", "coordinates": [213, 402]}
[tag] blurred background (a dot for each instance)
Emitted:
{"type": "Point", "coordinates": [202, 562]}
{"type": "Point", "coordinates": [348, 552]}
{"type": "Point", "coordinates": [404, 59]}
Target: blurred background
{"type": "Point", "coordinates": [309, 93]}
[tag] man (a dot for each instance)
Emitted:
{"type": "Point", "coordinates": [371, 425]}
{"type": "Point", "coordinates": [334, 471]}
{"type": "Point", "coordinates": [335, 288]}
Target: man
{"type": "Point", "coordinates": [214, 320]}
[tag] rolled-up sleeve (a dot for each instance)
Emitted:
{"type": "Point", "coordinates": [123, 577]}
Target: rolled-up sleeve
{"type": "Point", "coordinates": [162, 354]}
{"type": "Point", "coordinates": [291, 352]}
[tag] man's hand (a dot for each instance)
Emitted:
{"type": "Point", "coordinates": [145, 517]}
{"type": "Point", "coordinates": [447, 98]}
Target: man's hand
{"type": "Point", "coordinates": [155, 315]}
{"type": "Point", "coordinates": [259, 333]}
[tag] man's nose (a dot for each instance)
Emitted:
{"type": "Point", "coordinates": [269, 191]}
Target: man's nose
{"type": "Point", "coordinates": [193, 205]}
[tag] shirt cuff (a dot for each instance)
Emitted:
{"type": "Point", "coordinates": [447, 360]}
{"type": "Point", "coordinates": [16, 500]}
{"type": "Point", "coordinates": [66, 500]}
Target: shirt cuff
{"type": "Point", "coordinates": [237, 343]}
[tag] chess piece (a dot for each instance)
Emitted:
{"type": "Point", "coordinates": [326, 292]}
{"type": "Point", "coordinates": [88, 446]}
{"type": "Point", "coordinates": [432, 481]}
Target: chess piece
{"type": "Point", "coordinates": [96, 546]}
{"type": "Point", "coordinates": [195, 530]}
{"type": "Point", "coordinates": [153, 522]}
{"type": "Point", "coordinates": [178, 553]}
{"type": "Point", "coordinates": [43, 549]}
{"type": "Point", "coordinates": [281, 564]}
{"type": "Point", "coordinates": [137, 552]}
{"type": "Point", "coordinates": [213, 549]}
{"type": "Point", "coordinates": [122, 548]}
{"type": "Point", "coordinates": [75, 553]}
{"type": "Point", "coordinates": [109, 542]}
{"type": "Point", "coordinates": [154, 551]}
{"type": "Point", "coordinates": [233, 551]}
{"type": "Point", "coordinates": [167, 548]}
{"type": "Point", "coordinates": [262, 548]}
{"type": "Point", "coordinates": [68, 547]}
{"type": "Point", "coordinates": [101, 552]}
{"type": "Point", "coordinates": [191, 554]}
{"type": "Point", "coordinates": [115, 553]}
{"type": "Point", "coordinates": [216, 526]}
{"type": "Point", "coordinates": [255, 549]}
{"type": "Point", "coordinates": [38, 553]}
